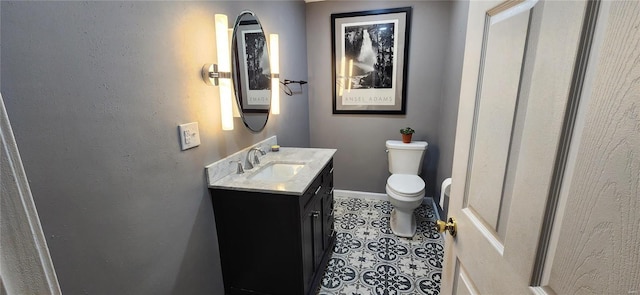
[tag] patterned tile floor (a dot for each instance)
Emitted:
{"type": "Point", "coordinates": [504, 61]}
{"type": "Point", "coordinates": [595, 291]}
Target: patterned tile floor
{"type": "Point", "coordinates": [369, 259]}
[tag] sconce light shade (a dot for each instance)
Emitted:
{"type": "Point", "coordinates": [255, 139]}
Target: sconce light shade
{"type": "Point", "coordinates": [275, 74]}
{"type": "Point", "coordinates": [224, 66]}
{"type": "Point", "coordinates": [236, 112]}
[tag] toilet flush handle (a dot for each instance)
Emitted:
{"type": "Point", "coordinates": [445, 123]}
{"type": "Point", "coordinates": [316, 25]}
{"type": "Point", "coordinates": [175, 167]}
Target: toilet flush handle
{"type": "Point", "coordinates": [386, 151]}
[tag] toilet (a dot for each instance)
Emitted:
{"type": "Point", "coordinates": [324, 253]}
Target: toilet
{"type": "Point", "coordinates": [405, 188]}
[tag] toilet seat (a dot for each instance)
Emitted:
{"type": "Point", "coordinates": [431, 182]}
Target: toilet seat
{"type": "Point", "coordinates": [406, 185]}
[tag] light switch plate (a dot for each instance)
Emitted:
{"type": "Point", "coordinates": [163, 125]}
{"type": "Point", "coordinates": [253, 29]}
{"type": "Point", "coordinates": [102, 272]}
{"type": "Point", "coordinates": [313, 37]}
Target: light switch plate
{"type": "Point", "coordinates": [189, 135]}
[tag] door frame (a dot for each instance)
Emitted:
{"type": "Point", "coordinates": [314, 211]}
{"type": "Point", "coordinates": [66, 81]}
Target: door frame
{"type": "Point", "coordinates": [25, 262]}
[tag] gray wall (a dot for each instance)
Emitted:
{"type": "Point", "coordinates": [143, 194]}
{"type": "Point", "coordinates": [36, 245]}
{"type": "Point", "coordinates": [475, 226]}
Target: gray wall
{"type": "Point", "coordinates": [95, 91]}
{"type": "Point", "coordinates": [1, 46]}
{"type": "Point", "coordinates": [361, 162]}
{"type": "Point", "coordinates": [451, 90]}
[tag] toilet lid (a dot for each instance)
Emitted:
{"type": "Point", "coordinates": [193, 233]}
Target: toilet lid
{"type": "Point", "coordinates": [406, 184]}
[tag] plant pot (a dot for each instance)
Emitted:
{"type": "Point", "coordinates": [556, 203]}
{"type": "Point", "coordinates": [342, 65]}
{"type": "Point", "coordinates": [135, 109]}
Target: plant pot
{"type": "Point", "coordinates": [406, 138]}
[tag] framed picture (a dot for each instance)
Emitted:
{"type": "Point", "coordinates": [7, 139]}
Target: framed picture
{"type": "Point", "coordinates": [369, 61]}
{"type": "Point", "coordinates": [254, 72]}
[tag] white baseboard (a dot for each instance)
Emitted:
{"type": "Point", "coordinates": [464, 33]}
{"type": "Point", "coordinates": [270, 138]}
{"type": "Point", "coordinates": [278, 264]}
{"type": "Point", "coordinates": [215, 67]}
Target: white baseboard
{"type": "Point", "coordinates": [359, 195]}
{"type": "Point", "coordinates": [373, 196]}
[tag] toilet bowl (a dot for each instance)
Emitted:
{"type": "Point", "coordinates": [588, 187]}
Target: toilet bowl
{"type": "Point", "coordinates": [405, 193]}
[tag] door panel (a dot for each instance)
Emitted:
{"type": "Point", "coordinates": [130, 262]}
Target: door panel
{"type": "Point", "coordinates": [503, 51]}
{"type": "Point", "coordinates": [463, 284]}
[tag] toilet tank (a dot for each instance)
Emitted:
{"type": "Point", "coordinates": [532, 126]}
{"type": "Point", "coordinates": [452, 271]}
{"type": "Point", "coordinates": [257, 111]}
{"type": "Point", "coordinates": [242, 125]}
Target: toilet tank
{"type": "Point", "coordinates": [405, 158]}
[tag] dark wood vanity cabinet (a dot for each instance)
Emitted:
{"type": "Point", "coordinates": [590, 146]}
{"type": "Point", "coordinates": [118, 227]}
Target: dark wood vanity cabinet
{"type": "Point", "coordinates": [275, 243]}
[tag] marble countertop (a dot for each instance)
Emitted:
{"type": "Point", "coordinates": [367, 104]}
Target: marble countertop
{"type": "Point", "coordinates": [314, 159]}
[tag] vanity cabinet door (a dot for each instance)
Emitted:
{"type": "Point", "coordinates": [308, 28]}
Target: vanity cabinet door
{"type": "Point", "coordinates": [312, 241]}
{"type": "Point", "coordinates": [260, 242]}
{"type": "Point", "coordinates": [317, 226]}
{"type": "Point", "coordinates": [316, 215]}
{"type": "Point", "coordinates": [307, 250]}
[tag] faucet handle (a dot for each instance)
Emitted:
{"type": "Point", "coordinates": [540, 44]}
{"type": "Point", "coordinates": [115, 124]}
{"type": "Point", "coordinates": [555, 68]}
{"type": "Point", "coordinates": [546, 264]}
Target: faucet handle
{"type": "Point", "coordinates": [240, 170]}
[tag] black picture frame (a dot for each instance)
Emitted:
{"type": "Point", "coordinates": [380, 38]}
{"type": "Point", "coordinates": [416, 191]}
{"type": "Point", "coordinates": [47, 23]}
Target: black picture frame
{"type": "Point", "coordinates": [368, 71]}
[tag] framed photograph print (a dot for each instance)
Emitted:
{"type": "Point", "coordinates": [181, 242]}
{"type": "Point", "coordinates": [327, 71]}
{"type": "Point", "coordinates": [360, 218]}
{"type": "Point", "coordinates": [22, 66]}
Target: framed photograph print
{"type": "Point", "coordinates": [253, 68]}
{"type": "Point", "coordinates": [257, 71]}
{"type": "Point", "coordinates": [369, 61]}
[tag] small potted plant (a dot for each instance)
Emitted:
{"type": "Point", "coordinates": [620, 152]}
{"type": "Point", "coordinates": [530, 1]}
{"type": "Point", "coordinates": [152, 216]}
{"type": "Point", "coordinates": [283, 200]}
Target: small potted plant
{"type": "Point", "coordinates": [406, 134]}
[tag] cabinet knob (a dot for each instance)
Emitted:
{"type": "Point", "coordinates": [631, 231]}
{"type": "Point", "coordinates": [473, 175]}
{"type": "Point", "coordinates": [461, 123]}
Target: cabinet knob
{"type": "Point", "coordinates": [315, 214]}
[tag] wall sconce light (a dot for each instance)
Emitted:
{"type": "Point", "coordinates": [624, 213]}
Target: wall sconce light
{"type": "Point", "coordinates": [220, 74]}
{"type": "Point", "coordinates": [275, 74]}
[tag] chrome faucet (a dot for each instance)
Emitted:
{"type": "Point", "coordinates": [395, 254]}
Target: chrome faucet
{"type": "Point", "coordinates": [256, 159]}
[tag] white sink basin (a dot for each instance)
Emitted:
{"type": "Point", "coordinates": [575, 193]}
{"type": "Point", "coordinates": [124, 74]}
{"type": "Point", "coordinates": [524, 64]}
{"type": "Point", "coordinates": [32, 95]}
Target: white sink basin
{"type": "Point", "coordinates": [277, 171]}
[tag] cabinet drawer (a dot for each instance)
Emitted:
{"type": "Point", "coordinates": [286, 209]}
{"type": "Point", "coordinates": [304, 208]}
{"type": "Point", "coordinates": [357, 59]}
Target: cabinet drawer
{"type": "Point", "coordinates": [312, 191]}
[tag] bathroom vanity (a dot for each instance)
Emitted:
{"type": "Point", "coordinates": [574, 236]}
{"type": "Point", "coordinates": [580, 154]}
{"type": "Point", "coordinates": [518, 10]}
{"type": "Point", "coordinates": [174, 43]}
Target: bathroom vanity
{"type": "Point", "coordinates": [275, 223]}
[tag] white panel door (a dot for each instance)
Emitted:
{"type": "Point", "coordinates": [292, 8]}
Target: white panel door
{"type": "Point", "coordinates": [519, 144]}
{"type": "Point", "coordinates": [517, 75]}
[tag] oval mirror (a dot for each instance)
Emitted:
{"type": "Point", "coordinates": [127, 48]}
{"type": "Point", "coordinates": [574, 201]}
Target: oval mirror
{"type": "Point", "coordinates": [251, 71]}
